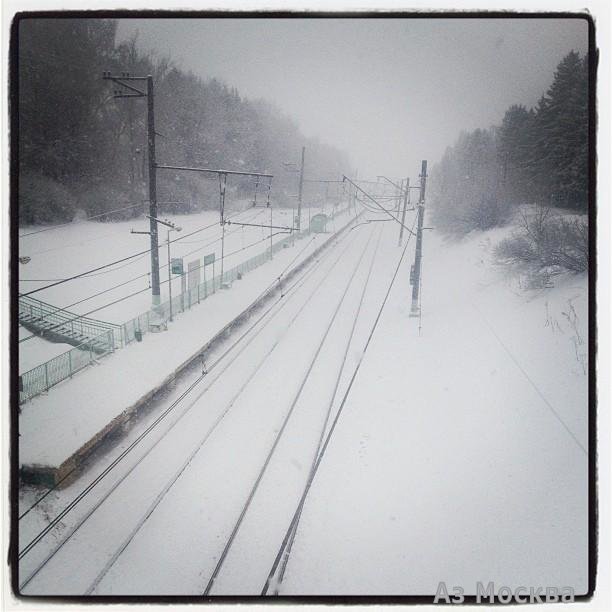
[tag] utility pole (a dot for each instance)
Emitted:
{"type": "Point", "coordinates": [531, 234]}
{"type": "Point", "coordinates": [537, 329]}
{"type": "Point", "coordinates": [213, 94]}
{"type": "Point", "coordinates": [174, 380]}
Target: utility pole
{"type": "Point", "coordinates": [300, 190]}
{"type": "Point", "coordinates": [132, 173]}
{"type": "Point", "coordinates": [156, 293]}
{"type": "Point", "coordinates": [416, 274]}
{"type": "Point", "coordinates": [129, 91]}
{"type": "Point", "coordinates": [406, 202]}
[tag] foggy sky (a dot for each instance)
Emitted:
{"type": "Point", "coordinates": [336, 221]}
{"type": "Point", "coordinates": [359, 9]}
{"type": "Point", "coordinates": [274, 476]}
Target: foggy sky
{"type": "Point", "coordinates": [388, 91]}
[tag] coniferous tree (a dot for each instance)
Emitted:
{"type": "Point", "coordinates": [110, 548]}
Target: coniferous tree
{"type": "Point", "coordinates": [80, 148]}
{"type": "Point", "coordinates": [536, 156]}
{"type": "Point", "coordinates": [559, 159]}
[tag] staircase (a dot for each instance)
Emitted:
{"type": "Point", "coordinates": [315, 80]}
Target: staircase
{"type": "Point", "coordinates": [59, 325]}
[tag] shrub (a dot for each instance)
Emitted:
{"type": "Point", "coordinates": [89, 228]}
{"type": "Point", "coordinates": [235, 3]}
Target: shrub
{"type": "Point", "coordinates": [485, 213]}
{"type": "Point", "coordinates": [547, 240]}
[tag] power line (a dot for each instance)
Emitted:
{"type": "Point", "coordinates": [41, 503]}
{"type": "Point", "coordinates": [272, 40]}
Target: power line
{"type": "Point", "coordinates": [290, 536]}
{"type": "Point", "coordinates": [82, 274]}
{"type": "Point", "coordinates": [113, 263]}
{"type": "Point", "coordinates": [104, 214]}
{"type": "Point", "coordinates": [170, 483]}
{"type": "Point", "coordinates": [297, 514]}
{"type": "Point", "coordinates": [109, 468]}
{"type": "Point", "coordinates": [126, 283]}
{"type": "Point", "coordinates": [262, 471]}
{"type": "Point", "coordinates": [228, 233]}
{"type": "Point", "coordinates": [135, 293]}
{"type": "Point", "coordinates": [531, 382]}
{"type": "Point", "coordinates": [346, 178]}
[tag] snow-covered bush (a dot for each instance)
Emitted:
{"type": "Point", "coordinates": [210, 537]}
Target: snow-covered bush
{"type": "Point", "coordinates": [547, 240]}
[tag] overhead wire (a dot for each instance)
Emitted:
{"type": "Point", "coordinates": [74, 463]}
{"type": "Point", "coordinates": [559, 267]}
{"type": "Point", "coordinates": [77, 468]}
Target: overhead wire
{"type": "Point", "coordinates": [104, 214]}
{"type": "Point", "coordinates": [531, 381]}
{"type": "Point", "coordinates": [177, 474]}
{"type": "Point", "coordinates": [298, 511]}
{"type": "Point", "coordinates": [89, 273]}
{"type": "Point", "coordinates": [150, 428]}
{"type": "Point", "coordinates": [131, 295]}
{"type": "Point", "coordinates": [77, 316]}
{"type": "Point", "coordinates": [290, 536]}
{"type": "Point", "coordinates": [280, 431]}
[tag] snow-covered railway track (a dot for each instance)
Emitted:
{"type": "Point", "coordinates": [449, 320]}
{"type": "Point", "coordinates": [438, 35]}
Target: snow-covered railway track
{"type": "Point", "coordinates": [79, 559]}
{"type": "Point", "coordinates": [315, 416]}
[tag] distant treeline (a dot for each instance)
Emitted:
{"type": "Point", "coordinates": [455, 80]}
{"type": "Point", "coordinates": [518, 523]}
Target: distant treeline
{"type": "Point", "coordinates": [537, 156]}
{"type": "Point", "coordinates": [82, 150]}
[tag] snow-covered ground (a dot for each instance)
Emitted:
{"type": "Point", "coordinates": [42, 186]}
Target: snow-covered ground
{"type": "Point", "coordinates": [38, 350]}
{"type": "Point", "coordinates": [451, 462]}
{"type": "Point", "coordinates": [80, 246]}
{"type": "Point", "coordinates": [95, 396]}
{"type": "Point", "coordinates": [460, 454]}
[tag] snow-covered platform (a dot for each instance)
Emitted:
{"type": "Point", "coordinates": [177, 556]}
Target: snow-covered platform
{"type": "Point", "coordinates": [60, 429]}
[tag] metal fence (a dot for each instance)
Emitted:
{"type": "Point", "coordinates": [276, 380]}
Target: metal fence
{"type": "Point", "coordinates": [46, 375]}
{"type": "Point", "coordinates": [195, 295]}
{"type": "Point", "coordinates": [43, 377]}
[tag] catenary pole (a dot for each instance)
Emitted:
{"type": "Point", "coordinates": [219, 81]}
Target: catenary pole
{"type": "Point", "coordinates": [416, 276]}
{"type": "Point", "coordinates": [155, 290]}
{"type": "Point", "coordinates": [130, 91]}
{"type": "Point", "coordinates": [169, 277]}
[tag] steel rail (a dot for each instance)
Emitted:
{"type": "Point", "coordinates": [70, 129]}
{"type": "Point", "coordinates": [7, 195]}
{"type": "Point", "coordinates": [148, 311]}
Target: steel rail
{"type": "Point", "coordinates": [287, 544]}
{"type": "Point", "coordinates": [177, 474]}
{"type": "Point", "coordinates": [298, 511]}
{"type": "Point", "coordinates": [305, 378]}
{"type": "Point", "coordinates": [309, 270]}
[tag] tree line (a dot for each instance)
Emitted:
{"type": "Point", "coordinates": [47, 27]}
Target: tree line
{"type": "Point", "coordinates": [82, 150]}
{"type": "Point", "coordinates": [535, 157]}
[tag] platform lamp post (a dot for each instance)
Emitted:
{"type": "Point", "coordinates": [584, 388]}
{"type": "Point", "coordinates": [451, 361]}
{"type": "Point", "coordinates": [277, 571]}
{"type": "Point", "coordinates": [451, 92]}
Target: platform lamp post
{"type": "Point", "coordinates": [172, 227]}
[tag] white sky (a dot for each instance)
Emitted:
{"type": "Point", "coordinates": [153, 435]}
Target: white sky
{"type": "Point", "coordinates": [389, 91]}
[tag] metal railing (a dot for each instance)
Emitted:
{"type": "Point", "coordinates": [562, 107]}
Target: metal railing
{"type": "Point", "coordinates": [195, 295]}
{"type": "Point", "coordinates": [46, 375]}
{"type": "Point", "coordinates": [63, 324]}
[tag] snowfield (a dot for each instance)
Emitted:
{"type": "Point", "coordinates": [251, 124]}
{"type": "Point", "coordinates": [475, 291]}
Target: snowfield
{"type": "Point", "coordinates": [95, 396]}
{"type": "Point", "coordinates": [451, 463]}
{"type": "Point", "coordinates": [85, 245]}
{"type": "Point", "coordinates": [460, 454]}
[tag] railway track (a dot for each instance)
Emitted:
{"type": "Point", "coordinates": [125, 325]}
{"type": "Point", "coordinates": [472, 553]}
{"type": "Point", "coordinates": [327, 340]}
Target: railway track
{"type": "Point", "coordinates": [38, 557]}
